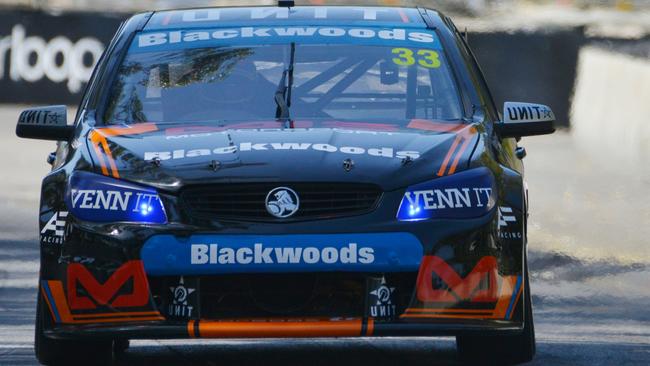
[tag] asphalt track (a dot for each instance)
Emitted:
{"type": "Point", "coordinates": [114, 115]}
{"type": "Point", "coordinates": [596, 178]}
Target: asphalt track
{"type": "Point", "coordinates": [589, 253]}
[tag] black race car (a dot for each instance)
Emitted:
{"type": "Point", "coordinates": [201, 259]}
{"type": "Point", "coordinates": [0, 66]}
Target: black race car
{"type": "Point", "coordinates": [285, 172]}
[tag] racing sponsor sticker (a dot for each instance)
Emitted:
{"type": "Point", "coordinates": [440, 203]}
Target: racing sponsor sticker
{"type": "Point", "coordinates": [56, 229]}
{"type": "Point", "coordinates": [438, 281]}
{"type": "Point", "coordinates": [527, 112]}
{"type": "Point", "coordinates": [384, 152]}
{"type": "Point", "coordinates": [198, 38]}
{"type": "Point", "coordinates": [97, 198]}
{"type": "Point", "coordinates": [259, 254]}
{"type": "Point", "coordinates": [462, 195]}
{"type": "Point", "coordinates": [380, 299]}
{"type": "Point", "coordinates": [209, 254]}
{"type": "Point", "coordinates": [196, 18]}
{"type": "Point", "coordinates": [86, 292]}
{"type": "Point", "coordinates": [183, 299]}
{"type": "Point", "coordinates": [44, 116]}
{"type": "Point", "coordinates": [507, 221]}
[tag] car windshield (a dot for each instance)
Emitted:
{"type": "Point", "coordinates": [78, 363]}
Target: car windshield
{"type": "Point", "coordinates": [372, 82]}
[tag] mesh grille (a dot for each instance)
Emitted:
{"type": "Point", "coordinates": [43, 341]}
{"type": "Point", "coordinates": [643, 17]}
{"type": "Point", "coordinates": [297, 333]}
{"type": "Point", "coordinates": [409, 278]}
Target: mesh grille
{"type": "Point", "coordinates": [246, 202]}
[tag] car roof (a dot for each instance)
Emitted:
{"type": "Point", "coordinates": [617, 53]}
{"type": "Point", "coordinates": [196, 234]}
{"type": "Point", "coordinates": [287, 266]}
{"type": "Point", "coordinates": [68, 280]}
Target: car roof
{"type": "Point", "coordinates": [377, 16]}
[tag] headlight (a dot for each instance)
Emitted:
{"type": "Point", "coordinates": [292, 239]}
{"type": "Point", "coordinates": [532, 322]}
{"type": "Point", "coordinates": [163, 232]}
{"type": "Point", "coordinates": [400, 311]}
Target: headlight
{"type": "Point", "coordinates": [463, 195]}
{"type": "Point", "coordinates": [93, 197]}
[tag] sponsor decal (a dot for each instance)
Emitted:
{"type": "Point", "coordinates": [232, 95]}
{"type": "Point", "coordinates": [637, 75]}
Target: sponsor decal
{"type": "Point", "coordinates": [56, 229]}
{"type": "Point", "coordinates": [385, 152]}
{"type": "Point", "coordinates": [437, 199]}
{"type": "Point", "coordinates": [101, 199]}
{"type": "Point", "coordinates": [212, 254]}
{"type": "Point", "coordinates": [282, 202]}
{"type": "Point", "coordinates": [527, 112]}
{"type": "Point", "coordinates": [507, 218]}
{"type": "Point", "coordinates": [462, 195]}
{"type": "Point", "coordinates": [98, 199]}
{"type": "Point", "coordinates": [180, 306]}
{"type": "Point", "coordinates": [381, 303]}
{"type": "Point", "coordinates": [439, 282]}
{"type": "Point", "coordinates": [509, 235]}
{"type": "Point", "coordinates": [31, 58]}
{"type": "Point", "coordinates": [204, 37]}
{"type": "Point", "coordinates": [126, 287]}
{"type": "Point", "coordinates": [524, 113]}
{"type": "Point", "coordinates": [47, 116]}
{"type": "Point", "coordinates": [350, 13]}
{"type": "Point", "coordinates": [445, 293]}
{"type": "Point", "coordinates": [258, 254]}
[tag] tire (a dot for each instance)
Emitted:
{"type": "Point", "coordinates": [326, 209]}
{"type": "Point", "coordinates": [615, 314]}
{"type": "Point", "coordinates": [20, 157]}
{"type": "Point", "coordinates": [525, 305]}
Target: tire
{"type": "Point", "coordinates": [67, 352]}
{"type": "Point", "coordinates": [502, 350]}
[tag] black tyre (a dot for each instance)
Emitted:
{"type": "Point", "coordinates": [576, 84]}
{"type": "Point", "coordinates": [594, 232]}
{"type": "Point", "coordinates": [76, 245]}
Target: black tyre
{"type": "Point", "coordinates": [502, 350]}
{"type": "Point", "coordinates": [68, 352]}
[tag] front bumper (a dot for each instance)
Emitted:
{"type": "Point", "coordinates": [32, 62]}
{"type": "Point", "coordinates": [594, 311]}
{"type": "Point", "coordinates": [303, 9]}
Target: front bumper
{"type": "Point", "coordinates": [451, 277]}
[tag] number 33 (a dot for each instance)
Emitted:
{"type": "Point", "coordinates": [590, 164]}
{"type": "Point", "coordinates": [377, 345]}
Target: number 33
{"type": "Point", "coordinates": [426, 58]}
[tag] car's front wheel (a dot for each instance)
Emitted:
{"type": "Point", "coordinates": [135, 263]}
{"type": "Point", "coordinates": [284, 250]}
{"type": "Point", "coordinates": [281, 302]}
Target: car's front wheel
{"type": "Point", "coordinates": [68, 352]}
{"type": "Point", "coordinates": [502, 350]}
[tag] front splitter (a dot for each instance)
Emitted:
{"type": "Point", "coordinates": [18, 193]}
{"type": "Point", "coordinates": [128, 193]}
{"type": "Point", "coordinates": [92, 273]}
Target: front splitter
{"type": "Point", "coordinates": [282, 328]}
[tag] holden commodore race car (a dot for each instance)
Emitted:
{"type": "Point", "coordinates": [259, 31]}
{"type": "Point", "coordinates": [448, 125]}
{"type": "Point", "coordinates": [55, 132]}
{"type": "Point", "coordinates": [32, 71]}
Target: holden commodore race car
{"type": "Point", "coordinates": [285, 172]}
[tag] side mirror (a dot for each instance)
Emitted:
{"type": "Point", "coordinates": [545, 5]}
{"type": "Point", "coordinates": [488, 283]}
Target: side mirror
{"type": "Point", "coordinates": [525, 119]}
{"type": "Point", "coordinates": [45, 123]}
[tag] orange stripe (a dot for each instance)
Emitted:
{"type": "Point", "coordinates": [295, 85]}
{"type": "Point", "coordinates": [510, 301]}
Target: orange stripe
{"type": "Point", "coordinates": [94, 136]}
{"type": "Point", "coordinates": [116, 320]}
{"type": "Point", "coordinates": [109, 154]}
{"type": "Point", "coordinates": [505, 294]}
{"type": "Point", "coordinates": [464, 133]}
{"type": "Point", "coordinates": [371, 327]}
{"type": "Point", "coordinates": [190, 328]}
{"type": "Point", "coordinates": [444, 316]}
{"type": "Point", "coordinates": [253, 329]}
{"type": "Point", "coordinates": [98, 139]}
{"type": "Point", "coordinates": [507, 285]}
{"type": "Point", "coordinates": [443, 167]}
{"type": "Point", "coordinates": [459, 154]}
{"type": "Point", "coordinates": [48, 302]}
{"type": "Point", "coordinates": [430, 310]}
{"type": "Point", "coordinates": [117, 315]}
{"type": "Point", "coordinates": [167, 19]}
{"type": "Point", "coordinates": [56, 288]}
{"type": "Point", "coordinates": [422, 124]}
{"type": "Point", "coordinates": [128, 130]}
{"type": "Point", "coordinates": [514, 304]}
{"type": "Point", "coordinates": [402, 14]}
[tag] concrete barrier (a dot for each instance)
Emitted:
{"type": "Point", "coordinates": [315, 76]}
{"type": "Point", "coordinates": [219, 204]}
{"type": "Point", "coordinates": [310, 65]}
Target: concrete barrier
{"type": "Point", "coordinates": [611, 106]}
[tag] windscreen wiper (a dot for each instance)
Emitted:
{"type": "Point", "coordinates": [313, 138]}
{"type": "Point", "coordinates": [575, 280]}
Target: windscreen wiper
{"type": "Point", "coordinates": [283, 92]}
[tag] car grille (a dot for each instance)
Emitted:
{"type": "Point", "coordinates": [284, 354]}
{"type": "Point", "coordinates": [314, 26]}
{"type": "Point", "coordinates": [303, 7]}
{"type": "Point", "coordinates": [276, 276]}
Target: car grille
{"type": "Point", "coordinates": [246, 202]}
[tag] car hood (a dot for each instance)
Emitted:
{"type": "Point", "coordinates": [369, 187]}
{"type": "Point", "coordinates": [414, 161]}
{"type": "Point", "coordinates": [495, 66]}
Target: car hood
{"type": "Point", "coordinates": [169, 156]}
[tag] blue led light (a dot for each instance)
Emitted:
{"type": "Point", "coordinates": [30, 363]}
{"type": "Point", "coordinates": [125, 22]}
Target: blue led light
{"type": "Point", "coordinates": [97, 198]}
{"type": "Point", "coordinates": [145, 209]}
{"type": "Point", "coordinates": [414, 210]}
{"type": "Point", "coordinates": [463, 195]}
